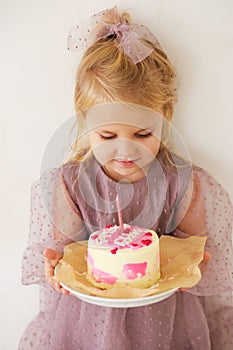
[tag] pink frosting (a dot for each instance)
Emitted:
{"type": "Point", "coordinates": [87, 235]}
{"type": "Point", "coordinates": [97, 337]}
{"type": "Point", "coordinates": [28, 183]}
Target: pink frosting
{"type": "Point", "coordinates": [133, 237]}
{"type": "Point", "coordinates": [100, 275]}
{"type": "Point", "coordinates": [132, 271]}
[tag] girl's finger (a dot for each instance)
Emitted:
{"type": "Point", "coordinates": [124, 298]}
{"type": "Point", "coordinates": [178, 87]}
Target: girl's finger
{"type": "Point", "coordinates": [181, 290]}
{"type": "Point", "coordinates": [56, 285]}
{"type": "Point", "coordinates": [206, 257]}
{"type": "Point", "coordinates": [48, 269]}
{"type": "Point", "coordinates": [51, 259]}
{"type": "Point", "coordinates": [53, 256]}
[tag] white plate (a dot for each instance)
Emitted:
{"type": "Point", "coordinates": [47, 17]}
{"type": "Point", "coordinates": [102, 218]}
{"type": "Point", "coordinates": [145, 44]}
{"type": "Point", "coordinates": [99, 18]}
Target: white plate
{"type": "Point", "coordinates": [123, 303]}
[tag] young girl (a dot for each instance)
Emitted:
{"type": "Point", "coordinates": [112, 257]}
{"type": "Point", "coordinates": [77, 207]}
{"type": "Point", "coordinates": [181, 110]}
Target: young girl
{"type": "Point", "coordinates": [124, 98]}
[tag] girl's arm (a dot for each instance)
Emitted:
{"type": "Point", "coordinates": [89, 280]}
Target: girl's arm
{"type": "Point", "coordinates": [54, 222]}
{"type": "Point", "coordinates": [209, 213]}
{"type": "Point", "coordinates": [67, 224]}
{"type": "Point", "coordinates": [193, 223]}
{"type": "Point", "coordinates": [191, 214]}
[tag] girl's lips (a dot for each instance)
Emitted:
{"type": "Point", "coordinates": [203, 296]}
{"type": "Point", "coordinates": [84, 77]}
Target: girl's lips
{"type": "Point", "coordinates": [125, 163]}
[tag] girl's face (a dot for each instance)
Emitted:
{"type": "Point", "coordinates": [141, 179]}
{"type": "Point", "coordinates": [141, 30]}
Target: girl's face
{"type": "Point", "coordinates": [124, 140]}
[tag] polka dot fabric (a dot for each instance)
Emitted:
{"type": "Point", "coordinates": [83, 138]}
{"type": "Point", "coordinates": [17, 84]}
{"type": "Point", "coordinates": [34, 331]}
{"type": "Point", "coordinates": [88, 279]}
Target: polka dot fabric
{"type": "Point", "coordinates": [129, 38]}
{"type": "Point", "coordinates": [200, 318]}
{"type": "Point", "coordinates": [54, 222]}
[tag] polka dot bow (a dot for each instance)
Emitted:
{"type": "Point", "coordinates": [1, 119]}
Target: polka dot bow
{"type": "Point", "coordinates": [129, 38]}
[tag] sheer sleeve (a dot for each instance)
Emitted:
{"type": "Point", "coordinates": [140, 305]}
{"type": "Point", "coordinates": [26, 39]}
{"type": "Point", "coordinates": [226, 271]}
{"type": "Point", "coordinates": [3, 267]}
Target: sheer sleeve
{"type": "Point", "coordinates": [210, 213]}
{"type": "Point", "coordinates": [55, 221]}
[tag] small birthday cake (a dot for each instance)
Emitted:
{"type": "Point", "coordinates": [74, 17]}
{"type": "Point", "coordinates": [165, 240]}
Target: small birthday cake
{"type": "Point", "coordinates": [123, 257]}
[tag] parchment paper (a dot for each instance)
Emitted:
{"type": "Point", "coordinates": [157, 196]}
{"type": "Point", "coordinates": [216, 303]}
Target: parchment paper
{"type": "Point", "coordinates": [179, 260]}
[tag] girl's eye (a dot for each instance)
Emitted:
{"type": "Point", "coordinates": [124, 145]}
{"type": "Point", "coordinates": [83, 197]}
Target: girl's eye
{"type": "Point", "coordinates": [144, 135]}
{"type": "Point", "coordinates": [110, 137]}
{"type": "Point", "coordinates": [107, 137]}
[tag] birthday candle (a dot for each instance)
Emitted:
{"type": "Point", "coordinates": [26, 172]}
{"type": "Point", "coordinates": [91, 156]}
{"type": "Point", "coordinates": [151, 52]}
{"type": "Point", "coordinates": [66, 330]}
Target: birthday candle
{"type": "Point", "coordinates": [119, 214]}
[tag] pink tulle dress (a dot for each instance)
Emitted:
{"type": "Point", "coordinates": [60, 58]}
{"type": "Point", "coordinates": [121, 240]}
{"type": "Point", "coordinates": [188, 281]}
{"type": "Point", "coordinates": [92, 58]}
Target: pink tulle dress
{"type": "Point", "coordinates": [70, 202]}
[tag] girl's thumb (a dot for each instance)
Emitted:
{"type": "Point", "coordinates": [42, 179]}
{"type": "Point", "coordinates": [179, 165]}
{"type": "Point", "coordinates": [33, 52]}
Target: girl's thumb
{"type": "Point", "coordinates": [51, 254]}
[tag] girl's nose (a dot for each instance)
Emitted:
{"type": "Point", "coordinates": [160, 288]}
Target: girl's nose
{"type": "Point", "coordinates": [126, 148]}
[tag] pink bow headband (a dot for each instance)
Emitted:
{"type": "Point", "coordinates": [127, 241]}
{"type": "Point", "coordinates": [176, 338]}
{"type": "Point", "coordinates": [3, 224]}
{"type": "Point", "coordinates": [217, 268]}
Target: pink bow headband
{"type": "Point", "coordinates": [128, 37]}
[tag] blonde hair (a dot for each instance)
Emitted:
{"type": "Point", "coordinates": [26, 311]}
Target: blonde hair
{"type": "Point", "coordinates": [105, 74]}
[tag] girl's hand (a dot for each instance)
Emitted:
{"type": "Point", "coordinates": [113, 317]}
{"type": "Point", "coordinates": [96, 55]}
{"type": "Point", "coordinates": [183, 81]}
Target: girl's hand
{"type": "Point", "coordinates": [51, 259]}
{"type": "Point", "coordinates": [202, 266]}
{"type": "Point", "coordinates": [204, 262]}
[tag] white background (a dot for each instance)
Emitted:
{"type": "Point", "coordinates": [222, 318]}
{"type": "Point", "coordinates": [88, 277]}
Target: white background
{"type": "Point", "coordinates": [37, 76]}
